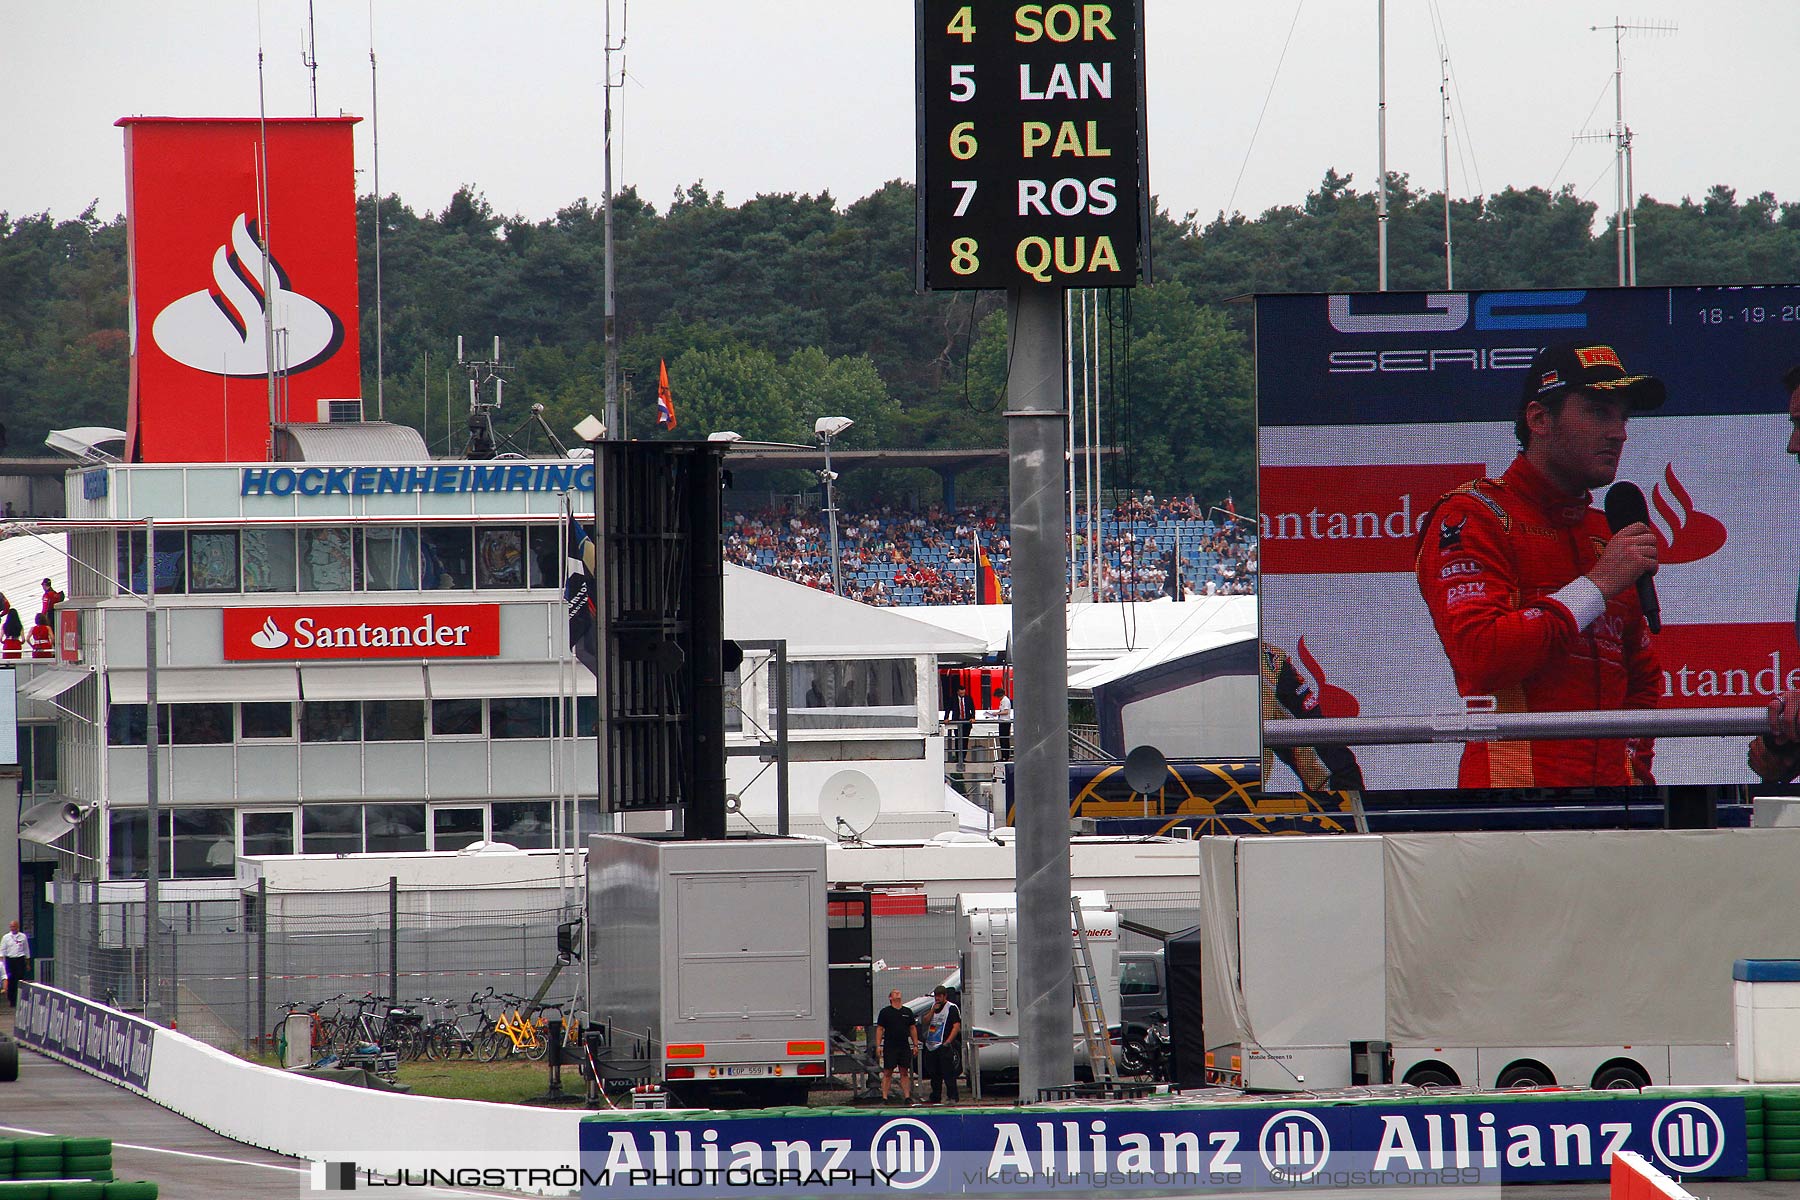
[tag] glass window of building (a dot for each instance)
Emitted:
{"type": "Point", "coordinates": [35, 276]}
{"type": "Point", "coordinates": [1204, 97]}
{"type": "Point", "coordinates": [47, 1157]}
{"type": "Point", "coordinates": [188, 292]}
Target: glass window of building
{"type": "Point", "coordinates": [213, 561]}
{"type": "Point", "coordinates": [128, 843]}
{"type": "Point", "coordinates": [584, 720]}
{"type": "Point", "coordinates": [519, 717]}
{"type": "Point", "coordinates": [447, 557]}
{"type": "Point", "coordinates": [394, 721]}
{"type": "Point", "coordinates": [328, 560]}
{"type": "Point", "coordinates": [454, 828]}
{"type": "Point", "coordinates": [500, 557]}
{"type": "Point", "coordinates": [544, 548]}
{"type": "Point", "coordinates": [734, 702]}
{"type": "Point", "coordinates": [523, 824]}
{"type": "Point", "coordinates": [871, 693]}
{"type": "Point", "coordinates": [331, 721]}
{"type": "Point", "coordinates": [331, 829]}
{"type": "Point", "coordinates": [171, 561]}
{"type": "Point", "coordinates": [200, 724]}
{"type": "Point", "coordinates": [205, 845]}
{"type": "Point", "coordinates": [268, 833]}
{"type": "Point", "coordinates": [267, 719]}
{"type": "Point", "coordinates": [456, 718]}
{"type": "Point", "coordinates": [268, 556]}
{"type": "Point", "coordinates": [37, 758]}
{"type": "Point", "coordinates": [125, 724]}
{"type": "Point", "coordinates": [392, 555]}
{"type": "Point", "coordinates": [394, 828]}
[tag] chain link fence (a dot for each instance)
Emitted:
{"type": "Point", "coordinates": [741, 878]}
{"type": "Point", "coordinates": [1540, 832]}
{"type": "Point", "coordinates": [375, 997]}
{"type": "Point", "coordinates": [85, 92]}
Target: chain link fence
{"type": "Point", "coordinates": [227, 966]}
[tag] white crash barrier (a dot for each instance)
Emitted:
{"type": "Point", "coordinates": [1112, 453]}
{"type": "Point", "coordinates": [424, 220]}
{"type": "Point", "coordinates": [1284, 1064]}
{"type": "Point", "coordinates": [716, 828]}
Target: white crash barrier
{"type": "Point", "coordinates": [532, 1149]}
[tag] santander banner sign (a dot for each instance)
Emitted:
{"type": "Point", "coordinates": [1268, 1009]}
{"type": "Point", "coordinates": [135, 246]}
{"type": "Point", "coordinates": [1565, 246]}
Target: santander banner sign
{"type": "Point", "coordinates": [341, 631]}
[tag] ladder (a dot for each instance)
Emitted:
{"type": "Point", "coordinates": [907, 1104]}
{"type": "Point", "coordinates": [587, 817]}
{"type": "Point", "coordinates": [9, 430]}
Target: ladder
{"type": "Point", "coordinates": [999, 936]}
{"type": "Point", "coordinates": [1087, 1003]}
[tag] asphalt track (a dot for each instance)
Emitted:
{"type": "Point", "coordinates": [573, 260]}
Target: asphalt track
{"type": "Point", "coordinates": [190, 1161]}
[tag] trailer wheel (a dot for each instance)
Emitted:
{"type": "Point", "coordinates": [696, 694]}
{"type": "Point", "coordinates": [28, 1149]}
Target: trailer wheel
{"type": "Point", "coordinates": [1432, 1074]}
{"type": "Point", "coordinates": [1526, 1074]}
{"type": "Point", "coordinates": [1620, 1075]}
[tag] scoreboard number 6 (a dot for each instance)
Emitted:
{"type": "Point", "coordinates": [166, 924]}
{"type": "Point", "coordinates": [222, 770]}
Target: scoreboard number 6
{"type": "Point", "coordinates": [962, 141]}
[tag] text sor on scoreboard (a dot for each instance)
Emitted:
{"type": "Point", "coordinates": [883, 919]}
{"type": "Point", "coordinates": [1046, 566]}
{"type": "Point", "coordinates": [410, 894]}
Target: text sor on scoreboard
{"type": "Point", "coordinates": [1041, 191]}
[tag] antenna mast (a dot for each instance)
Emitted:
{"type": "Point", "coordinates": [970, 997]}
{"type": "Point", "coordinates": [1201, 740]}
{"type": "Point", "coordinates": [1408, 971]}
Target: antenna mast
{"type": "Point", "coordinates": [263, 223]}
{"type": "Point", "coordinates": [612, 328]}
{"type": "Point", "coordinates": [309, 58]}
{"type": "Point", "coordinates": [1381, 196]}
{"type": "Point", "coordinates": [375, 142]}
{"type": "Point", "coordinates": [1444, 96]}
{"type": "Point", "coordinates": [1624, 221]}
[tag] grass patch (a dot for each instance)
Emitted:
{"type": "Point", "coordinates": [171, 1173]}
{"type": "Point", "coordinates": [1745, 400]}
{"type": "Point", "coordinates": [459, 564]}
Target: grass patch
{"type": "Point", "coordinates": [505, 1082]}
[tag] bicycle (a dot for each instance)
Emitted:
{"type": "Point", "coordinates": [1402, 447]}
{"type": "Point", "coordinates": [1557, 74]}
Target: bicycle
{"type": "Point", "coordinates": [322, 1029]}
{"type": "Point", "coordinates": [445, 1038]}
{"type": "Point", "coordinates": [515, 1033]}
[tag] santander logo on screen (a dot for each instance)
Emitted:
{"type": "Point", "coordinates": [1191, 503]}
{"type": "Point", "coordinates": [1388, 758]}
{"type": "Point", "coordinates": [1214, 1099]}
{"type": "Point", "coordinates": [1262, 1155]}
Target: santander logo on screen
{"type": "Point", "coordinates": [1685, 533]}
{"type": "Point", "coordinates": [220, 329]}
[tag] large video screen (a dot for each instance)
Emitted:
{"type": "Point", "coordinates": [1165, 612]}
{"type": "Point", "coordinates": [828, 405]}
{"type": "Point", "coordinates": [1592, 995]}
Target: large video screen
{"type": "Point", "coordinates": [1416, 563]}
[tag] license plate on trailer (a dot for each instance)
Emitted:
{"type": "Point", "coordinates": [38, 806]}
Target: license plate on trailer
{"type": "Point", "coordinates": [751, 1072]}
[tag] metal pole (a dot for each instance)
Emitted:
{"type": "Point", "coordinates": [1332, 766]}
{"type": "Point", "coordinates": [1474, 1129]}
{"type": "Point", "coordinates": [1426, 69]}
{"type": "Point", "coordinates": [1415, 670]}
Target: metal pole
{"type": "Point", "coordinates": [837, 583]}
{"type": "Point", "coordinates": [1619, 144]}
{"type": "Point", "coordinates": [262, 954]}
{"type": "Point", "coordinates": [1444, 96]}
{"type": "Point", "coordinates": [1040, 571]}
{"type": "Point", "coordinates": [781, 738]}
{"type": "Point", "coordinates": [1477, 726]}
{"type": "Point", "coordinates": [1381, 196]}
{"type": "Point", "coordinates": [152, 737]}
{"type": "Point", "coordinates": [393, 939]}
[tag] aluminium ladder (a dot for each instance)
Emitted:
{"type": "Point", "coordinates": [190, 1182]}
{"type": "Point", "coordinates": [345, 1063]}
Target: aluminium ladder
{"type": "Point", "coordinates": [1087, 1003]}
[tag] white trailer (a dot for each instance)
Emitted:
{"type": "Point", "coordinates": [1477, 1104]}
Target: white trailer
{"type": "Point", "coordinates": [707, 961]}
{"type": "Point", "coordinates": [1582, 958]}
{"type": "Point", "coordinates": [989, 977]}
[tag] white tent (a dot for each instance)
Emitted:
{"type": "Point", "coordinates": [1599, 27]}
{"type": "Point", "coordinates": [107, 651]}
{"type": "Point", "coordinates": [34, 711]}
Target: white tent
{"type": "Point", "coordinates": [818, 624]}
{"type": "Point", "coordinates": [1098, 633]}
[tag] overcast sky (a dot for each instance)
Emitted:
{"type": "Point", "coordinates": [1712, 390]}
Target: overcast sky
{"type": "Point", "coordinates": [817, 95]}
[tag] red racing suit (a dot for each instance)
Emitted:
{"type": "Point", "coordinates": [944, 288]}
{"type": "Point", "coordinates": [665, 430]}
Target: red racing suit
{"type": "Point", "coordinates": [1491, 556]}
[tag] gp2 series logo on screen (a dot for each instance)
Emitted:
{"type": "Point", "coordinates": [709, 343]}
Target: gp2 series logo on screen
{"type": "Point", "coordinates": [1447, 312]}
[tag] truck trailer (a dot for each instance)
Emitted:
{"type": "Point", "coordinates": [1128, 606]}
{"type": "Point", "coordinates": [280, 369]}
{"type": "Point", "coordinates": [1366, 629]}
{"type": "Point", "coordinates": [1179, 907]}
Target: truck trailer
{"type": "Point", "coordinates": [706, 964]}
{"type": "Point", "coordinates": [1581, 958]}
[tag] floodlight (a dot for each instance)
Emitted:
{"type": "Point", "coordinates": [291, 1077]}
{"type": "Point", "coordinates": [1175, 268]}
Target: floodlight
{"type": "Point", "coordinates": [830, 427]}
{"type": "Point", "coordinates": [589, 429]}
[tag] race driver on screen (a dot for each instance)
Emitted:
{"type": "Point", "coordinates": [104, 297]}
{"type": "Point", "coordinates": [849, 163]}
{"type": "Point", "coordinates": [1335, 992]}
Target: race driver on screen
{"type": "Point", "coordinates": [1533, 596]}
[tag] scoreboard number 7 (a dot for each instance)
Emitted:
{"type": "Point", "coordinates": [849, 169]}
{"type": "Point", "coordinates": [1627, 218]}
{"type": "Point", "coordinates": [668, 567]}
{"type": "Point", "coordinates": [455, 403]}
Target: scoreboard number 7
{"type": "Point", "coordinates": [967, 188]}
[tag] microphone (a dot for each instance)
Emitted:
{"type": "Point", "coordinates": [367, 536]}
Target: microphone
{"type": "Point", "coordinates": [1625, 506]}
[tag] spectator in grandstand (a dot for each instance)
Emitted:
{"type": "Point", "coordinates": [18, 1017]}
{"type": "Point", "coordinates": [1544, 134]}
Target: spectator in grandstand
{"type": "Point", "coordinates": [1532, 594]}
{"type": "Point", "coordinates": [1775, 757]}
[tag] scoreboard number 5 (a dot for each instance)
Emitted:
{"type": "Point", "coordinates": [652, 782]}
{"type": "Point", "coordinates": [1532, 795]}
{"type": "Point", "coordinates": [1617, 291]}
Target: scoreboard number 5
{"type": "Point", "coordinates": [962, 83]}
{"type": "Point", "coordinates": [963, 24]}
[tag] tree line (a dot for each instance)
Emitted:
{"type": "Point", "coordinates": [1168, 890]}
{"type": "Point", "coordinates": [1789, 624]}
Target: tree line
{"type": "Point", "coordinates": [787, 307]}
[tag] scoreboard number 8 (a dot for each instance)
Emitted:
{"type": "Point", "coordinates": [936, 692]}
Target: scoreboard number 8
{"type": "Point", "coordinates": [963, 257]}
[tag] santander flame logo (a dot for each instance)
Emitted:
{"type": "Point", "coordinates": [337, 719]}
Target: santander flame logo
{"type": "Point", "coordinates": [1333, 701]}
{"type": "Point", "coordinates": [220, 330]}
{"type": "Point", "coordinates": [269, 637]}
{"type": "Point", "coordinates": [1686, 534]}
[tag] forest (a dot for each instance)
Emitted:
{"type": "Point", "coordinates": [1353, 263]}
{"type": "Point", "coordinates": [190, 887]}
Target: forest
{"type": "Point", "coordinates": [787, 307]}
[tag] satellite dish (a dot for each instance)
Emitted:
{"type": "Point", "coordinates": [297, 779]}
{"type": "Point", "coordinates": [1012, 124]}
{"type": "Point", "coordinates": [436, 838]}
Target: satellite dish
{"type": "Point", "coordinates": [1145, 769]}
{"type": "Point", "coordinates": [849, 802]}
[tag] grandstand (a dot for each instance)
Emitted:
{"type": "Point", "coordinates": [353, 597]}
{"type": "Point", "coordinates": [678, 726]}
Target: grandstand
{"type": "Point", "coordinates": [891, 556]}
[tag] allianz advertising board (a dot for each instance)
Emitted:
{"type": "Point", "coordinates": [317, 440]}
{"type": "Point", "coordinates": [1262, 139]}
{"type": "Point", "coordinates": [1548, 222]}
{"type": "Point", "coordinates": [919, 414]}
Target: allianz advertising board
{"type": "Point", "coordinates": [1416, 563]}
{"type": "Point", "coordinates": [1159, 1151]}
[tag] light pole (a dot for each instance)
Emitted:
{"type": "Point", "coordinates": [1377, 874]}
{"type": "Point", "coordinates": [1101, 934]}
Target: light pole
{"type": "Point", "coordinates": [826, 428]}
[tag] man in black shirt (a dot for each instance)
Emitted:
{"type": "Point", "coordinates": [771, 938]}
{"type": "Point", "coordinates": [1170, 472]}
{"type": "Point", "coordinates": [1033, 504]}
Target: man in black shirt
{"type": "Point", "coordinates": [896, 1042]}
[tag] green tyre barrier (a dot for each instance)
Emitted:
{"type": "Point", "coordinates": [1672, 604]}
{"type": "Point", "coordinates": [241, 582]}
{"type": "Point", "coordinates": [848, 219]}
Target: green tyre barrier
{"type": "Point", "coordinates": [77, 1191]}
{"type": "Point", "coordinates": [24, 1191]}
{"type": "Point", "coordinates": [84, 1165]}
{"type": "Point", "coordinates": [137, 1190]}
{"type": "Point", "coordinates": [87, 1145]}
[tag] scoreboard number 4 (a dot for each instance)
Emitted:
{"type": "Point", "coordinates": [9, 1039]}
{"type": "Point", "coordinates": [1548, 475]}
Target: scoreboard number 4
{"type": "Point", "coordinates": [963, 24]}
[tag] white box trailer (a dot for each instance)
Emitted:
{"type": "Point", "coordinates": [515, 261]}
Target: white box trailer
{"type": "Point", "coordinates": [989, 976]}
{"type": "Point", "coordinates": [1582, 958]}
{"type": "Point", "coordinates": [707, 959]}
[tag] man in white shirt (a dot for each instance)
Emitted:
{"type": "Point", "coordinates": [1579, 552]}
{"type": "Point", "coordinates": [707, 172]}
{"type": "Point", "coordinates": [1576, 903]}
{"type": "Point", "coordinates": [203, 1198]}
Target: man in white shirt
{"type": "Point", "coordinates": [15, 949]}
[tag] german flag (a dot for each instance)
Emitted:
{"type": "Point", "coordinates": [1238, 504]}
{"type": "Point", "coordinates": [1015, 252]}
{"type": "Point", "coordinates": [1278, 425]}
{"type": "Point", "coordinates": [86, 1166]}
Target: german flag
{"type": "Point", "coordinates": [987, 580]}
